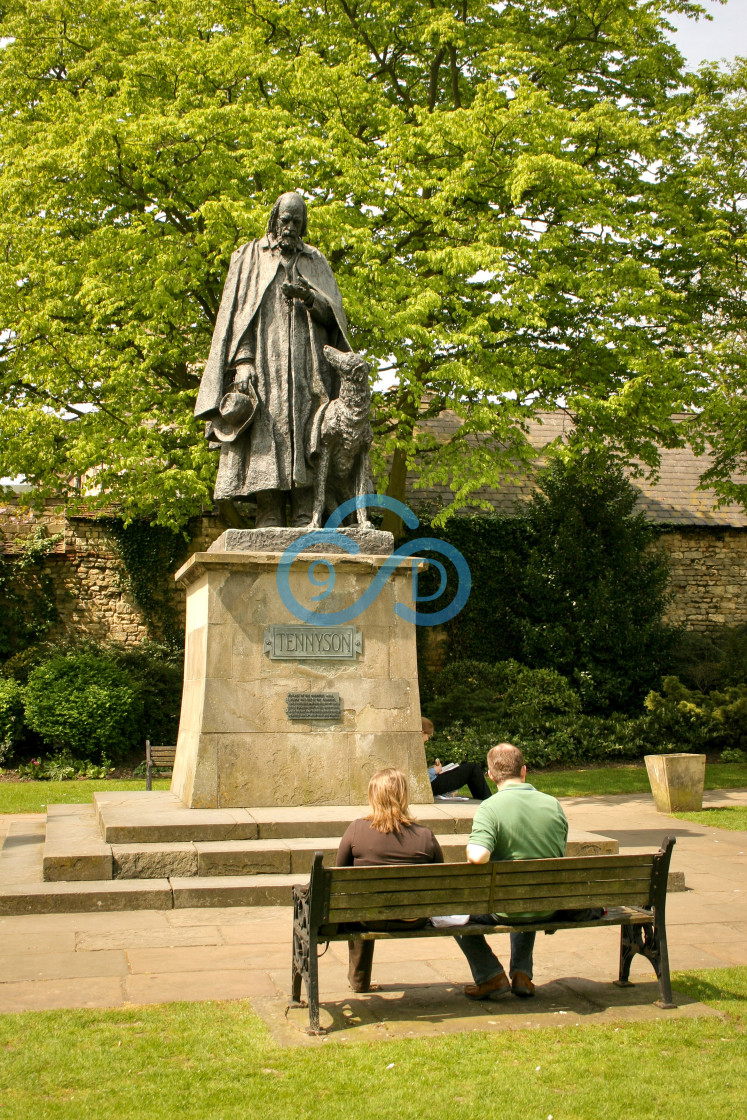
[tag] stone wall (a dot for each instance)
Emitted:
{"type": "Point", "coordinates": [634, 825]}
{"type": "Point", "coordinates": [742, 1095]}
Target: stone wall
{"type": "Point", "coordinates": [89, 580]}
{"type": "Point", "coordinates": [709, 575]}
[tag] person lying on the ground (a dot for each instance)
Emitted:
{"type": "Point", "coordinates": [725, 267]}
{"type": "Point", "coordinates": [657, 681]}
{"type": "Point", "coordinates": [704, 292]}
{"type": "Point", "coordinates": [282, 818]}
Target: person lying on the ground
{"type": "Point", "coordinates": [388, 835]}
{"type": "Point", "coordinates": [448, 780]}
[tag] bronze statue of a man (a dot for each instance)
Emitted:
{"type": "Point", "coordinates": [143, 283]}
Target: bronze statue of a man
{"type": "Point", "coordinates": [267, 381]}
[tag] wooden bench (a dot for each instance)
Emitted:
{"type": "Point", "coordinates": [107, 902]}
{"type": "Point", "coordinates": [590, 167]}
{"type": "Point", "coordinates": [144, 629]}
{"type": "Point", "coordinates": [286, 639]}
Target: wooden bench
{"type": "Point", "coordinates": [158, 758]}
{"type": "Point", "coordinates": [632, 888]}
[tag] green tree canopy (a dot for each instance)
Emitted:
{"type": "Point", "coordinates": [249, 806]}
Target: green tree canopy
{"type": "Point", "coordinates": [494, 185]}
{"type": "Point", "coordinates": [707, 181]}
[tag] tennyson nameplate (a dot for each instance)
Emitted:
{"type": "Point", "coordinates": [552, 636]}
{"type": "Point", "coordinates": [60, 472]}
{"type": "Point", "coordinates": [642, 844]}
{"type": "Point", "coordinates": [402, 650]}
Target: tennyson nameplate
{"type": "Point", "coordinates": [319, 643]}
{"type": "Point", "coordinates": [312, 705]}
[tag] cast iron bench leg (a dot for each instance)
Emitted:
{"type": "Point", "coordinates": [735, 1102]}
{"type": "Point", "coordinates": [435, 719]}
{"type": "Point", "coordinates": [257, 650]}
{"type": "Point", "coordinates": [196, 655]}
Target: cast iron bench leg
{"type": "Point", "coordinates": [300, 964]}
{"type": "Point", "coordinates": [630, 944]}
{"type": "Point", "coordinates": [312, 986]}
{"type": "Point", "coordinates": [651, 942]}
{"type": "Point", "coordinates": [305, 966]}
{"type": "Point", "coordinates": [660, 961]}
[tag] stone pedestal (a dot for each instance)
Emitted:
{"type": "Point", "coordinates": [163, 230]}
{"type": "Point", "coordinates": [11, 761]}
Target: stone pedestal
{"type": "Point", "coordinates": [237, 746]}
{"type": "Point", "coordinates": [677, 781]}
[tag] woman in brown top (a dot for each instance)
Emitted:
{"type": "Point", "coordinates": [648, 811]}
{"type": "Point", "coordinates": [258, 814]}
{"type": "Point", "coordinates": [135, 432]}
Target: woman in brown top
{"type": "Point", "coordinates": [388, 835]}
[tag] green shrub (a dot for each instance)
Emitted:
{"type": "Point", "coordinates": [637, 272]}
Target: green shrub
{"type": "Point", "coordinates": [705, 720]}
{"type": "Point", "coordinates": [563, 741]}
{"type": "Point", "coordinates": [477, 705]}
{"type": "Point", "coordinates": [158, 671]}
{"type": "Point", "coordinates": [11, 716]}
{"type": "Point", "coordinates": [711, 661]}
{"type": "Point", "coordinates": [84, 702]}
{"type": "Point", "coordinates": [733, 754]}
{"type": "Point", "coordinates": [19, 666]}
{"type": "Point", "coordinates": [475, 692]}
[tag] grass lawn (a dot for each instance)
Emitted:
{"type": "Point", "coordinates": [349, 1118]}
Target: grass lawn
{"type": "Point", "coordinates": [735, 818]}
{"type": "Point", "coordinates": [216, 1061]}
{"type": "Point", "coordinates": [605, 780]}
{"type": "Point", "coordinates": [33, 797]}
{"type": "Point", "coordinates": [627, 779]}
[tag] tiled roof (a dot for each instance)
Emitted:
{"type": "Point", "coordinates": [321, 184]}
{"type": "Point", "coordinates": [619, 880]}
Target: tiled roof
{"type": "Point", "coordinates": [674, 499]}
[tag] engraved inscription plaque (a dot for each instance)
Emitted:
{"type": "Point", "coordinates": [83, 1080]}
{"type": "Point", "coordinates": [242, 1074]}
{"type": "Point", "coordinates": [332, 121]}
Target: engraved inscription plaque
{"type": "Point", "coordinates": [312, 705]}
{"type": "Point", "coordinates": [313, 643]}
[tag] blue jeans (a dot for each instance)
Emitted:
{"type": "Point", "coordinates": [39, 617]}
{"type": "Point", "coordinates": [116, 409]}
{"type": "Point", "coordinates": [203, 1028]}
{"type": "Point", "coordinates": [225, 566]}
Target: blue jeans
{"type": "Point", "coordinates": [483, 962]}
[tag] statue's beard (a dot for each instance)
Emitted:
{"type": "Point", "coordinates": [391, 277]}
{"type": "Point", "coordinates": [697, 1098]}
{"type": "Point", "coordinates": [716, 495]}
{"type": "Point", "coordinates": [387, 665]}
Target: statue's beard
{"type": "Point", "coordinates": [289, 240]}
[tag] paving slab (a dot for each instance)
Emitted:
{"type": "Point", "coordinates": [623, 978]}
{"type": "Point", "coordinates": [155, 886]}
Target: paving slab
{"type": "Point", "coordinates": [199, 986]}
{"type": "Point", "coordinates": [50, 966]}
{"type": "Point", "coordinates": [7, 819]}
{"type": "Point", "coordinates": [34, 925]}
{"type": "Point", "coordinates": [245, 951]}
{"type": "Point", "coordinates": [48, 898]}
{"type": "Point", "coordinates": [22, 852]}
{"type": "Point", "coordinates": [51, 995]}
{"type": "Point", "coordinates": [434, 1010]}
{"type": "Point", "coordinates": [211, 958]}
{"type": "Point", "coordinates": [234, 890]}
{"type": "Point", "coordinates": [157, 816]}
{"type": "Point", "coordinates": [168, 937]}
{"type": "Point", "coordinates": [73, 848]}
{"type": "Point", "coordinates": [333, 820]}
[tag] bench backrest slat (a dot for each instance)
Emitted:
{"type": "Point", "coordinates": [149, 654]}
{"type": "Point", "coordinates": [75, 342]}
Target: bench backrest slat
{"type": "Point", "coordinates": [450, 902]}
{"type": "Point", "coordinates": [354, 894]}
{"type": "Point", "coordinates": [162, 755]}
{"type": "Point", "coordinates": [504, 885]}
{"type": "Point", "coordinates": [412, 896]}
{"type": "Point", "coordinates": [435, 909]}
{"type": "Point", "coordinates": [506, 867]}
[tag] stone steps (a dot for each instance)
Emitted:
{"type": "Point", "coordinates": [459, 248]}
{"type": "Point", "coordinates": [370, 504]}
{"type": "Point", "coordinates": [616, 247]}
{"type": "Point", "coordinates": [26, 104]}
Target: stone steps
{"type": "Point", "coordinates": [156, 817]}
{"type": "Point", "coordinates": [147, 894]}
{"type": "Point", "coordinates": [21, 853]}
{"type": "Point", "coordinates": [146, 851]}
{"type": "Point", "coordinates": [79, 845]}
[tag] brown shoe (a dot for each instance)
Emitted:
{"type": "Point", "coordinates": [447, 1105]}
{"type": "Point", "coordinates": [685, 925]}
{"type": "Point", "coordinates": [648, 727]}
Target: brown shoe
{"type": "Point", "coordinates": [494, 988]}
{"type": "Point", "coordinates": [521, 985]}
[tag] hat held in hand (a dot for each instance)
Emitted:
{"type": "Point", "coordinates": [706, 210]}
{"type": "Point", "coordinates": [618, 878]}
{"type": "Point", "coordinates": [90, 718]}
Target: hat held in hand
{"type": "Point", "coordinates": [237, 409]}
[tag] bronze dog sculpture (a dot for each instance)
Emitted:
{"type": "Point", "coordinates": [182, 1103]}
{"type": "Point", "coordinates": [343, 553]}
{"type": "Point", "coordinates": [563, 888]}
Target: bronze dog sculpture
{"type": "Point", "coordinates": [345, 437]}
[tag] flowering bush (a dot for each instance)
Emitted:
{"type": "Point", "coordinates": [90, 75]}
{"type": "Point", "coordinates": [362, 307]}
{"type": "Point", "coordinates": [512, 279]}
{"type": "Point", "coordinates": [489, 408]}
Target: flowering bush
{"type": "Point", "coordinates": [62, 767]}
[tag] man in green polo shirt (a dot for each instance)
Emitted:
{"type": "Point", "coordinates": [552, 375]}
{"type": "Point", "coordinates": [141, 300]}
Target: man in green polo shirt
{"type": "Point", "coordinates": [517, 822]}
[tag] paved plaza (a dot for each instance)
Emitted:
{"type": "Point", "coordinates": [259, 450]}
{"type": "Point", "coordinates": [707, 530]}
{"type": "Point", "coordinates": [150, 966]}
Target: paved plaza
{"type": "Point", "coordinates": [107, 960]}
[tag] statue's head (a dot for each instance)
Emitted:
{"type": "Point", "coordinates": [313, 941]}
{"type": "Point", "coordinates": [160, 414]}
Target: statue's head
{"type": "Point", "coordinates": [288, 220]}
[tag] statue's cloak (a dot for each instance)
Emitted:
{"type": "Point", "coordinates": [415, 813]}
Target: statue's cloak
{"type": "Point", "coordinates": [294, 381]}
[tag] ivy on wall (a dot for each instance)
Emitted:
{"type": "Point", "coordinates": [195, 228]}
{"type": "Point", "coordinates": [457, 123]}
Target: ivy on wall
{"type": "Point", "coordinates": [151, 554]}
{"type": "Point", "coordinates": [27, 603]}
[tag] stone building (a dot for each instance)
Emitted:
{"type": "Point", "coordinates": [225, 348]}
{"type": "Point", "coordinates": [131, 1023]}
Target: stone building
{"type": "Point", "coordinates": [706, 545]}
{"type": "Point", "coordinates": [93, 591]}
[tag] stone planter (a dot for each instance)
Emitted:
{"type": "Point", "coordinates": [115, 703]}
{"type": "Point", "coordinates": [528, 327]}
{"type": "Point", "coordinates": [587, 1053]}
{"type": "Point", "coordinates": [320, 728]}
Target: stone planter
{"type": "Point", "coordinates": [677, 781]}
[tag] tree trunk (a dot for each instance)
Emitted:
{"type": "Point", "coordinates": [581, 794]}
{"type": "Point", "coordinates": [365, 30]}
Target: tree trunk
{"type": "Point", "coordinates": [392, 522]}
